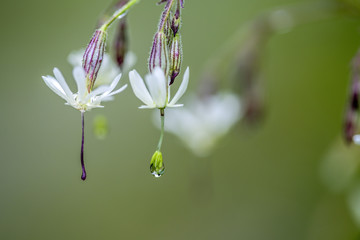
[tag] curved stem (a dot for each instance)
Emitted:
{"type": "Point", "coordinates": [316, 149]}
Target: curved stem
{"type": "Point", "coordinates": [83, 175]}
{"type": "Point", "coordinates": [162, 117]}
{"type": "Point", "coordinates": [118, 13]}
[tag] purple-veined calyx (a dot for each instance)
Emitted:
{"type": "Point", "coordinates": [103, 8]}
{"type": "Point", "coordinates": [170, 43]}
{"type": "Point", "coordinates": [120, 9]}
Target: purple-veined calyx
{"type": "Point", "coordinates": [93, 57]}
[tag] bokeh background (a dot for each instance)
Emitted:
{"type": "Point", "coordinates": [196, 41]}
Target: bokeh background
{"type": "Point", "coordinates": [260, 182]}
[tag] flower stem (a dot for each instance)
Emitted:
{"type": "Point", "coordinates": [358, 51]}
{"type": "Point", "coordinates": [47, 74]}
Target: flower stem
{"type": "Point", "coordinates": [118, 13]}
{"type": "Point", "coordinates": [162, 117]}
{"type": "Point", "coordinates": [83, 175]}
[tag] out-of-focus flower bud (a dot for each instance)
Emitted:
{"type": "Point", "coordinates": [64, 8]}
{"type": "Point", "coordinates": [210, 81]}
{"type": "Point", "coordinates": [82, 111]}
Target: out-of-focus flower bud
{"type": "Point", "coordinates": [175, 58]}
{"type": "Point", "coordinates": [157, 167]}
{"type": "Point", "coordinates": [350, 125]}
{"type": "Point", "coordinates": [352, 112]}
{"type": "Point", "coordinates": [113, 7]}
{"type": "Point", "coordinates": [121, 43]}
{"type": "Point", "coordinates": [159, 56]}
{"type": "Point", "coordinates": [93, 57]}
{"type": "Point", "coordinates": [101, 127]}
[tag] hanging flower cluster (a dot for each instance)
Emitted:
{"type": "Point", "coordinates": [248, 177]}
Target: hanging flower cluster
{"type": "Point", "coordinates": [97, 76]}
{"type": "Point", "coordinates": [164, 66]}
{"type": "Point", "coordinates": [91, 89]}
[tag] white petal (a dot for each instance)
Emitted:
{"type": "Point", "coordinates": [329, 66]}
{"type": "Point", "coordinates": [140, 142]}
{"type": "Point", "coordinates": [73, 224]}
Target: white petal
{"type": "Point", "coordinates": [107, 99]}
{"type": "Point", "coordinates": [117, 91]}
{"type": "Point", "coordinates": [113, 84]}
{"type": "Point", "coordinates": [356, 139]}
{"type": "Point", "coordinates": [75, 57]}
{"type": "Point", "coordinates": [175, 105]}
{"type": "Point", "coordinates": [55, 87]}
{"type": "Point", "coordinates": [59, 77]}
{"type": "Point", "coordinates": [129, 61]}
{"type": "Point", "coordinates": [182, 88]}
{"type": "Point", "coordinates": [98, 91]}
{"type": "Point", "coordinates": [147, 107]}
{"type": "Point", "coordinates": [157, 86]}
{"type": "Point", "coordinates": [139, 88]}
{"type": "Point", "coordinates": [79, 77]}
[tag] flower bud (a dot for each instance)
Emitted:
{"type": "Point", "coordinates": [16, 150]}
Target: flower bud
{"type": "Point", "coordinates": [159, 56]}
{"type": "Point", "coordinates": [157, 167]}
{"type": "Point", "coordinates": [168, 32]}
{"type": "Point", "coordinates": [121, 43]}
{"type": "Point", "coordinates": [350, 126]}
{"type": "Point", "coordinates": [175, 57]}
{"type": "Point", "coordinates": [93, 57]}
{"type": "Point", "coordinates": [352, 111]}
{"type": "Point", "coordinates": [175, 25]}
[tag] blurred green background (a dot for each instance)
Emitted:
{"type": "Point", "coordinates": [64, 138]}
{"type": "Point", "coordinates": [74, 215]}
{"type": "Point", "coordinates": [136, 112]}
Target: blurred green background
{"type": "Point", "coordinates": [259, 183]}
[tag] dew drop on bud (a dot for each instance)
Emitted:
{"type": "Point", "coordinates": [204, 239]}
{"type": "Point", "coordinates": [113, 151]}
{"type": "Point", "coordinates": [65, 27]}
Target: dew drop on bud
{"type": "Point", "coordinates": [157, 172]}
{"type": "Point", "coordinates": [157, 167]}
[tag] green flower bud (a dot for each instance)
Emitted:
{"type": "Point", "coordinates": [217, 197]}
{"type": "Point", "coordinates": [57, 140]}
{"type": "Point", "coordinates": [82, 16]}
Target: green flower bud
{"type": "Point", "coordinates": [157, 167]}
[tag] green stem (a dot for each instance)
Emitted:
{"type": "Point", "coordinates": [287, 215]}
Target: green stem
{"type": "Point", "coordinates": [162, 117]}
{"type": "Point", "coordinates": [118, 13]}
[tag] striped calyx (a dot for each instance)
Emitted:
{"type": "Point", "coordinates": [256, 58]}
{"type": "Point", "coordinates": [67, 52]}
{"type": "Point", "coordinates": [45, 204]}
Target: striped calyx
{"type": "Point", "coordinates": [159, 56]}
{"type": "Point", "coordinates": [93, 57]}
{"type": "Point", "coordinates": [175, 57]}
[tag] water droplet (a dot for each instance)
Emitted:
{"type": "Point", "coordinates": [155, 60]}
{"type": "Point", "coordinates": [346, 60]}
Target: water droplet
{"type": "Point", "coordinates": [156, 171]}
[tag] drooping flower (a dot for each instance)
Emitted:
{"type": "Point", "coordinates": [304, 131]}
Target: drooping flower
{"type": "Point", "coordinates": [156, 92]}
{"type": "Point", "coordinates": [204, 121]}
{"type": "Point", "coordinates": [82, 100]}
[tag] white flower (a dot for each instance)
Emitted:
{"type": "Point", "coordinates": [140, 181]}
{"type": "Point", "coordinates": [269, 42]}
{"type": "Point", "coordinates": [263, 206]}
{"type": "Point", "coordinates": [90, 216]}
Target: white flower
{"type": "Point", "coordinates": [203, 122]}
{"type": "Point", "coordinates": [108, 71]}
{"type": "Point", "coordinates": [356, 139]}
{"type": "Point", "coordinates": [156, 93]}
{"type": "Point", "coordinates": [82, 100]}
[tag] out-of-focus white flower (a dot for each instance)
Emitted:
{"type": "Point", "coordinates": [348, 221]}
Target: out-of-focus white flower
{"type": "Point", "coordinates": [356, 139]}
{"type": "Point", "coordinates": [203, 122]}
{"type": "Point", "coordinates": [82, 100]}
{"type": "Point", "coordinates": [156, 92]}
{"type": "Point", "coordinates": [354, 202]}
{"type": "Point", "coordinates": [339, 166]}
{"type": "Point", "coordinates": [109, 70]}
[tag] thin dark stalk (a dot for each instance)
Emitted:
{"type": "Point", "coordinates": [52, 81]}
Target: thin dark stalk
{"type": "Point", "coordinates": [83, 175]}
